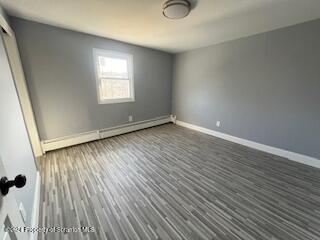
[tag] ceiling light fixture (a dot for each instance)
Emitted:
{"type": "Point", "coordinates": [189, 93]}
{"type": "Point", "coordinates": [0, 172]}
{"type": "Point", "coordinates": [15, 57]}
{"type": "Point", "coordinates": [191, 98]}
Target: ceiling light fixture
{"type": "Point", "coordinates": [175, 9]}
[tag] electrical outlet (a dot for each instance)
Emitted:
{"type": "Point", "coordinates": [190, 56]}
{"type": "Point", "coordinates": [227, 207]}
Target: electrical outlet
{"type": "Point", "coordinates": [23, 212]}
{"type": "Point", "coordinates": [130, 118]}
{"type": "Point", "coordinates": [218, 123]}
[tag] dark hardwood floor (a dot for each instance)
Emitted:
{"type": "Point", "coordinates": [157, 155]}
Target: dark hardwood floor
{"type": "Point", "coordinates": [170, 182]}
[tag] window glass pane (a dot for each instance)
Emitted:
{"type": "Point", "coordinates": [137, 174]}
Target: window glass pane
{"type": "Point", "coordinates": [113, 67]}
{"type": "Point", "coordinates": [115, 89]}
{"type": "Point", "coordinates": [114, 72]}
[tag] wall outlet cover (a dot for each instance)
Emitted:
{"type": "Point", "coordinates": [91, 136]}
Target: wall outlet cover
{"type": "Point", "coordinates": [218, 123]}
{"type": "Point", "coordinates": [130, 118]}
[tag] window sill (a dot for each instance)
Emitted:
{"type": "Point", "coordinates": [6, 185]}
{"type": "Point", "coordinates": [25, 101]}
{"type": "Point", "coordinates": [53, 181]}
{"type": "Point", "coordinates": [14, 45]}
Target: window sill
{"type": "Point", "coordinates": [120, 100]}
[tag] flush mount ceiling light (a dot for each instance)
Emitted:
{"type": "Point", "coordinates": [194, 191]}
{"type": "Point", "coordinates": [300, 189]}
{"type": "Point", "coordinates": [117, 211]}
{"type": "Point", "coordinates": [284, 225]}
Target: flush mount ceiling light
{"type": "Point", "coordinates": [175, 9]}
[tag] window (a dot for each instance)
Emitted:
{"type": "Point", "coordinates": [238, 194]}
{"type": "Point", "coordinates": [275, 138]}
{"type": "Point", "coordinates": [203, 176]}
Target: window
{"type": "Point", "coordinates": [114, 73]}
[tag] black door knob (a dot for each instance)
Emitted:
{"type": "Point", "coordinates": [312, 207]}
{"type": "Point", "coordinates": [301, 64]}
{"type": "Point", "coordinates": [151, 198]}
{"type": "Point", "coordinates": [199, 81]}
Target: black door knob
{"type": "Point", "coordinates": [18, 182]}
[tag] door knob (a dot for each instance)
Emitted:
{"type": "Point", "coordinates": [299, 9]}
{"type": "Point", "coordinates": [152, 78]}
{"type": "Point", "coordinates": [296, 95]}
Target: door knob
{"type": "Point", "coordinates": [18, 182]}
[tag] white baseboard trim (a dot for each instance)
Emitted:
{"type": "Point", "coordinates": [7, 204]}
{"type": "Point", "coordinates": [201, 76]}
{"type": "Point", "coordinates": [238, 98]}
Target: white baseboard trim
{"type": "Point", "coordinates": [36, 208]}
{"type": "Point", "coordinates": [67, 141]}
{"type": "Point", "coordinates": [265, 148]}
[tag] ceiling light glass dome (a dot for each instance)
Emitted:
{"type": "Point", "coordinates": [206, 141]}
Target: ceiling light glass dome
{"type": "Point", "coordinates": [175, 9]}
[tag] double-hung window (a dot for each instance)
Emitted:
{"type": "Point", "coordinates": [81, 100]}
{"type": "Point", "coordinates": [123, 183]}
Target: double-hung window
{"type": "Point", "coordinates": [114, 73]}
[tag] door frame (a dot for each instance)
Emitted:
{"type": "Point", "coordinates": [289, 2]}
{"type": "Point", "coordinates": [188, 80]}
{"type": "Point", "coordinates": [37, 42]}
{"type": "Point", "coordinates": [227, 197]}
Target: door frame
{"type": "Point", "coordinates": [21, 85]}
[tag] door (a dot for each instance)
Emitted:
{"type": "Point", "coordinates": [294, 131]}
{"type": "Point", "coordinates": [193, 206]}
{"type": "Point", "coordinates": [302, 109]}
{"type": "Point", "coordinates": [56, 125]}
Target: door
{"type": "Point", "coordinates": [10, 218]}
{"type": "Point", "coordinates": [9, 212]}
{"type": "Point", "coordinates": [22, 90]}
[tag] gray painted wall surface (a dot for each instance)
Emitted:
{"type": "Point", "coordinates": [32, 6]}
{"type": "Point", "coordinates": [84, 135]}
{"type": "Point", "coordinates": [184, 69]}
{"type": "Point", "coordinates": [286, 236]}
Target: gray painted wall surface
{"type": "Point", "coordinates": [59, 70]}
{"type": "Point", "coordinates": [15, 149]}
{"type": "Point", "coordinates": [264, 88]}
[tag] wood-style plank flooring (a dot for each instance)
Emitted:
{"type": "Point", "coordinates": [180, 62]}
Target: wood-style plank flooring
{"type": "Point", "coordinates": [170, 182]}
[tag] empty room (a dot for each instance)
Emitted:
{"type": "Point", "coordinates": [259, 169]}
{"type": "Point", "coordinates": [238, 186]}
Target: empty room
{"type": "Point", "coordinates": [160, 119]}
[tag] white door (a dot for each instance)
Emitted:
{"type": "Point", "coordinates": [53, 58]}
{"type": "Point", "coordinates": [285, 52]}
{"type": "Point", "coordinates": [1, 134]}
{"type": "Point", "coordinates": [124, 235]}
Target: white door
{"type": "Point", "coordinates": [9, 212]}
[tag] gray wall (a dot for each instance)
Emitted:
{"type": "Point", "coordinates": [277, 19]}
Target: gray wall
{"type": "Point", "coordinates": [15, 149]}
{"type": "Point", "coordinates": [59, 70]}
{"type": "Point", "coordinates": [264, 88]}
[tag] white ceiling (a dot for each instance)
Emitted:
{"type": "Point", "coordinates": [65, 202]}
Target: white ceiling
{"type": "Point", "coordinates": [141, 21]}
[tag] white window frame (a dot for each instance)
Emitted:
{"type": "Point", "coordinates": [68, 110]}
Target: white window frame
{"type": "Point", "coordinates": [114, 54]}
